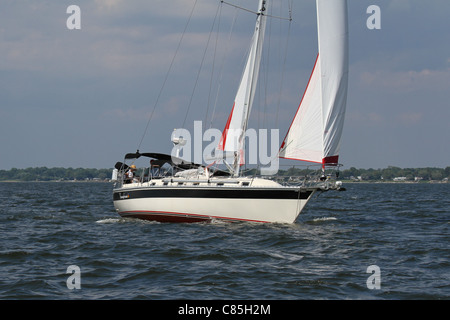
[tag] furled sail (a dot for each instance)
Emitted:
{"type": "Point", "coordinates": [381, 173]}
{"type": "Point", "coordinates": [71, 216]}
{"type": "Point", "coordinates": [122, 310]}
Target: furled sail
{"type": "Point", "coordinates": [315, 132]}
{"type": "Point", "coordinates": [232, 139]}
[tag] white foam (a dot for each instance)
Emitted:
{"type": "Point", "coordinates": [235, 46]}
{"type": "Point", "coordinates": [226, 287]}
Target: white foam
{"type": "Point", "coordinates": [109, 220]}
{"type": "Point", "coordinates": [324, 219]}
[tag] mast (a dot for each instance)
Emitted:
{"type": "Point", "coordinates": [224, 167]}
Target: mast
{"type": "Point", "coordinates": [233, 136]}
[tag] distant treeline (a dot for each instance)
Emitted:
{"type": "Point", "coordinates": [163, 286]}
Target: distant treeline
{"type": "Point", "coordinates": [52, 174]}
{"type": "Point", "coordinates": [82, 174]}
{"type": "Point", "coordinates": [388, 174]}
{"type": "Point", "coordinates": [397, 174]}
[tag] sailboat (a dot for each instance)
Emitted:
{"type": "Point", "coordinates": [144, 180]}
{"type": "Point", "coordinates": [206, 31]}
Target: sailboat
{"type": "Point", "coordinates": [174, 190]}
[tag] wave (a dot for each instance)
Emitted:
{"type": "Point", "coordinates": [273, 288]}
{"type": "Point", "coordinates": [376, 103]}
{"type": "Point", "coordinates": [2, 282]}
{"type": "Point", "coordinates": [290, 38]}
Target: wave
{"type": "Point", "coordinates": [109, 220]}
{"type": "Point", "coordinates": [324, 219]}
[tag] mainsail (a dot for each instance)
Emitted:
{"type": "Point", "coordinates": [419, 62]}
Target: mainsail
{"type": "Point", "coordinates": [232, 139]}
{"type": "Point", "coordinates": [316, 129]}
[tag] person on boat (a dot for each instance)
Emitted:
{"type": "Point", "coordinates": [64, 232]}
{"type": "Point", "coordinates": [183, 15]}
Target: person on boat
{"type": "Point", "coordinates": [129, 175]}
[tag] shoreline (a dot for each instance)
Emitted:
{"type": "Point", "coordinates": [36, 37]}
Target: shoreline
{"type": "Point", "coordinates": [343, 181]}
{"type": "Point", "coordinates": [59, 181]}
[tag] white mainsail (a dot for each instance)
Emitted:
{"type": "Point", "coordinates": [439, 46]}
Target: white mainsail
{"type": "Point", "coordinates": [316, 129]}
{"type": "Point", "coordinates": [232, 139]}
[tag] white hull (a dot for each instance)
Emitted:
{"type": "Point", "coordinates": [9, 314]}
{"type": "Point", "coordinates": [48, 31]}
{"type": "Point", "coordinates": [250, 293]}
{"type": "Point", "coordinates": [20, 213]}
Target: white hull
{"type": "Point", "coordinates": [174, 203]}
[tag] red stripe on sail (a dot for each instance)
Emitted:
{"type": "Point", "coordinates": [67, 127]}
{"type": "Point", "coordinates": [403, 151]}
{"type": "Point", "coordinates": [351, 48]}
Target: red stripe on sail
{"type": "Point", "coordinates": [223, 139]}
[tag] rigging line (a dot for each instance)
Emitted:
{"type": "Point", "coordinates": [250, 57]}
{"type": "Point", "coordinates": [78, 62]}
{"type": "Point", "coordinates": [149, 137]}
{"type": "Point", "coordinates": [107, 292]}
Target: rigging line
{"type": "Point", "coordinates": [284, 18]}
{"type": "Point", "coordinates": [283, 71]}
{"type": "Point", "coordinates": [254, 12]}
{"type": "Point", "coordinates": [167, 75]}
{"type": "Point", "coordinates": [213, 64]}
{"type": "Point", "coordinates": [277, 17]}
{"type": "Point", "coordinates": [200, 69]}
{"type": "Point", "coordinates": [219, 85]}
{"type": "Point", "coordinates": [268, 66]}
{"type": "Point", "coordinates": [239, 7]}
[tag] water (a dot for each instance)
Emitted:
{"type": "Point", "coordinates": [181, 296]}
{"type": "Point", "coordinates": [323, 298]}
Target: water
{"type": "Point", "coordinates": [401, 228]}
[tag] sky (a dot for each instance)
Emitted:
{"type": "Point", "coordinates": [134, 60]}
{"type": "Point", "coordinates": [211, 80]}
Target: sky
{"type": "Point", "coordinates": [83, 97]}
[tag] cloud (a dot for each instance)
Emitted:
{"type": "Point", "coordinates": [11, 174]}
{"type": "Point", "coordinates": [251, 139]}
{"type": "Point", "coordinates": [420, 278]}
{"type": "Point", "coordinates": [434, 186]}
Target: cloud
{"type": "Point", "coordinates": [407, 81]}
{"type": "Point", "coordinates": [108, 4]}
{"type": "Point", "coordinates": [410, 119]}
{"type": "Point", "coordinates": [365, 119]}
{"type": "Point", "coordinates": [125, 115]}
{"type": "Point", "coordinates": [173, 9]}
{"type": "Point", "coordinates": [400, 6]}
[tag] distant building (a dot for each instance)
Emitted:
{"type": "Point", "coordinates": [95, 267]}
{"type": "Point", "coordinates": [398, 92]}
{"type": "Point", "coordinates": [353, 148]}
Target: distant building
{"type": "Point", "coordinates": [400, 179]}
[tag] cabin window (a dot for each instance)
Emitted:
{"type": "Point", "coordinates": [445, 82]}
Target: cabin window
{"type": "Point", "coordinates": [245, 184]}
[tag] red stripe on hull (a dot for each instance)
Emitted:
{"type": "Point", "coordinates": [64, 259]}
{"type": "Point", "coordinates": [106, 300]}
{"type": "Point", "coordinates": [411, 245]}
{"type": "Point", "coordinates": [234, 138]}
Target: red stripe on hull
{"type": "Point", "coordinates": [176, 217]}
{"type": "Point", "coordinates": [160, 217]}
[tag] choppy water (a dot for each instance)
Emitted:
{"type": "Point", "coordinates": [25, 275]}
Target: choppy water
{"type": "Point", "coordinates": [401, 228]}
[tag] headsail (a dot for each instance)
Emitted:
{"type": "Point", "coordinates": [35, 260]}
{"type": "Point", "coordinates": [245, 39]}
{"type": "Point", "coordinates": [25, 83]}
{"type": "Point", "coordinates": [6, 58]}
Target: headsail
{"type": "Point", "coordinates": [232, 139]}
{"type": "Point", "coordinates": [316, 130]}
